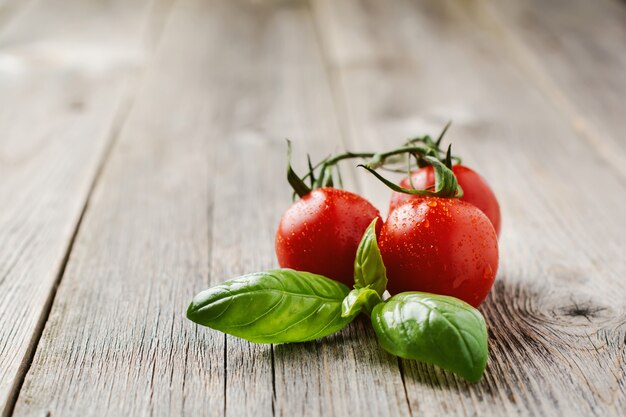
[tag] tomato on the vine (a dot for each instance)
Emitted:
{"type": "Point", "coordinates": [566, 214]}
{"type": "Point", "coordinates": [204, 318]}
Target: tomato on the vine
{"type": "Point", "coordinates": [442, 246]}
{"type": "Point", "coordinates": [476, 191]}
{"type": "Point", "coordinates": [321, 231]}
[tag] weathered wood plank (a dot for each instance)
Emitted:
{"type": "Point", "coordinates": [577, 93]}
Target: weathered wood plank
{"type": "Point", "coordinates": [117, 342]}
{"type": "Point", "coordinates": [190, 198]}
{"type": "Point", "coordinates": [10, 10]}
{"type": "Point", "coordinates": [62, 93]}
{"type": "Point", "coordinates": [250, 112]}
{"type": "Point", "coordinates": [205, 121]}
{"type": "Point", "coordinates": [576, 52]}
{"type": "Point", "coordinates": [287, 95]}
{"type": "Point", "coordinates": [557, 313]}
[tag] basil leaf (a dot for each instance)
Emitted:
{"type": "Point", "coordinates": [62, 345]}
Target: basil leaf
{"type": "Point", "coordinates": [358, 300]}
{"type": "Point", "coordinates": [278, 306]}
{"type": "Point", "coordinates": [435, 329]}
{"type": "Point", "coordinates": [369, 269]}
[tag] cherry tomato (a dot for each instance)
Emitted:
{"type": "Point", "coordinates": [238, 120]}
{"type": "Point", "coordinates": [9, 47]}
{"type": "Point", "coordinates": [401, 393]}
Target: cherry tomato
{"type": "Point", "coordinates": [442, 246]}
{"type": "Point", "coordinates": [476, 191]}
{"type": "Point", "coordinates": [320, 233]}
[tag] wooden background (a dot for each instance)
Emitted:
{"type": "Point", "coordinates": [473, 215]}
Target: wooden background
{"type": "Point", "coordinates": [142, 160]}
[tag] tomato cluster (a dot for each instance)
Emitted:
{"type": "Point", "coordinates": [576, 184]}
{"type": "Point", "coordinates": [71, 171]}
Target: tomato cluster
{"type": "Point", "coordinates": [431, 241]}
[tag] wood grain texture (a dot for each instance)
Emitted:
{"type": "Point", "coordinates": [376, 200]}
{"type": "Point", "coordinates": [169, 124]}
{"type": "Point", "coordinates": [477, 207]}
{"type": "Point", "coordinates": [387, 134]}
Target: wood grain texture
{"type": "Point", "coordinates": [576, 52]}
{"type": "Point", "coordinates": [59, 106]}
{"type": "Point", "coordinates": [287, 96]}
{"type": "Point", "coordinates": [193, 189]}
{"type": "Point", "coordinates": [10, 10]}
{"type": "Point", "coordinates": [556, 314]}
{"type": "Point", "coordinates": [203, 152]}
{"type": "Point", "coordinates": [117, 342]}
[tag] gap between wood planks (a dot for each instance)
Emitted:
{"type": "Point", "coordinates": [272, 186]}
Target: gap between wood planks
{"type": "Point", "coordinates": [156, 22]}
{"type": "Point", "coordinates": [43, 319]}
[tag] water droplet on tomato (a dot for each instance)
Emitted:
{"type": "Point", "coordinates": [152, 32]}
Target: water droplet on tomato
{"type": "Point", "coordinates": [488, 272]}
{"type": "Point", "coordinates": [426, 222]}
{"type": "Point", "coordinates": [432, 204]}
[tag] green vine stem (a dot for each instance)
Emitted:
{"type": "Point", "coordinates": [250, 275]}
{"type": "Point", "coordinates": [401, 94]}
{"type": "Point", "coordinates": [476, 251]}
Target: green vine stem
{"type": "Point", "coordinates": [423, 150]}
{"type": "Point", "coordinates": [324, 178]}
{"type": "Point", "coordinates": [446, 184]}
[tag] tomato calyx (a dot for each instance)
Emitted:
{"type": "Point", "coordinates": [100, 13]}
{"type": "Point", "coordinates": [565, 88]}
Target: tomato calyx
{"type": "Point", "coordinates": [435, 148]}
{"type": "Point", "coordinates": [425, 151]}
{"type": "Point", "coordinates": [298, 185]}
{"type": "Point", "coordinates": [417, 149]}
{"type": "Point", "coordinates": [417, 152]}
{"type": "Point", "coordinates": [446, 185]}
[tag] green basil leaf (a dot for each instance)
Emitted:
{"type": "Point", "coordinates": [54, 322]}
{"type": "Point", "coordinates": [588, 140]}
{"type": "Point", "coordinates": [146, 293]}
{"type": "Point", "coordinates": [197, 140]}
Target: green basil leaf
{"type": "Point", "coordinates": [358, 300]}
{"type": "Point", "coordinates": [278, 306]}
{"type": "Point", "coordinates": [369, 269]}
{"type": "Point", "coordinates": [436, 329]}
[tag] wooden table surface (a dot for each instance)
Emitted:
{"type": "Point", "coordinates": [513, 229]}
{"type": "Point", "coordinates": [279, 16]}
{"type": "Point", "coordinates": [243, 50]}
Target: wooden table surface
{"type": "Point", "coordinates": [142, 160]}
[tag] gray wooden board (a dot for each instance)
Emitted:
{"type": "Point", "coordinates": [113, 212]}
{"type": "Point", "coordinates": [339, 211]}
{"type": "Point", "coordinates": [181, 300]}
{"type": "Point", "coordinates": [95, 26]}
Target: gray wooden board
{"type": "Point", "coordinates": [10, 10]}
{"type": "Point", "coordinates": [193, 189]}
{"type": "Point", "coordinates": [59, 105]}
{"type": "Point", "coordinates": [287, 95]}
{"type": "Point", "coordinates": [576, 50]}
{"type": "Point", "coordinates": [556, 314]}
{"type": "Point", "coordinates": [116, 342]}
{"type": "Point", "coordinates": [202, 152]}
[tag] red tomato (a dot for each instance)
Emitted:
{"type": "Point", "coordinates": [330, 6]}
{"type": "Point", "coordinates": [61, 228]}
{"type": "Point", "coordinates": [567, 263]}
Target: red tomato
{"type": "Point", "coordinates": [476, 191]}
{"type": "Point", "coordinates": [442, 246]}
{"type": "Point", "coordinates": [320, 233]}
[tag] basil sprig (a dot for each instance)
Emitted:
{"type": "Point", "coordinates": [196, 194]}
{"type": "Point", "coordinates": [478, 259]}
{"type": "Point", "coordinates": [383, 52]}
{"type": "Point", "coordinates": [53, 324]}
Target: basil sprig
{"type": "Point", "coordinates": [369, 269]}
{"type": "Point", "coordinates": [286, 306]}
{"type": "Point", "coordinates": [361, 299]}
{"type": "Point", "coordinates": [370, 275]}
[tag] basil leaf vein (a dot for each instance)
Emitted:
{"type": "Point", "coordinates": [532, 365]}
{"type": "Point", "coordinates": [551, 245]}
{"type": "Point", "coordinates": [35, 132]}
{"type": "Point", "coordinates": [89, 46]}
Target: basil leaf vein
{"type": "Point", "coordinates": [434, 329]}
{"type": "Point", "coordinates": [277, 306]}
